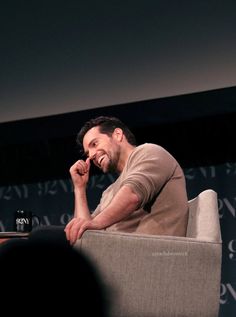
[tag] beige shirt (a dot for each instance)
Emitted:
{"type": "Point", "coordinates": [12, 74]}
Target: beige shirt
{"type": "Point", "coordinates": [156, 177]}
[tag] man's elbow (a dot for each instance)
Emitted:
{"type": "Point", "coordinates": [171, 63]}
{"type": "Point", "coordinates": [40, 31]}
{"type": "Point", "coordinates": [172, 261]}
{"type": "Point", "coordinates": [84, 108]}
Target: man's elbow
{"type": "Point", "coordinates": [132, 199]}
{"type": "Point", "coordinates": [135, 200]}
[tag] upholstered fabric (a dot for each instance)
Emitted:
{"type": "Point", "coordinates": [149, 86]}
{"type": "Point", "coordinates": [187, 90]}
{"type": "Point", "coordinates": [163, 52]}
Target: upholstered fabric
{"type": "Point", "coordinates": [203, 221]}
{"type": "Point", "coordinates": [162, 276]}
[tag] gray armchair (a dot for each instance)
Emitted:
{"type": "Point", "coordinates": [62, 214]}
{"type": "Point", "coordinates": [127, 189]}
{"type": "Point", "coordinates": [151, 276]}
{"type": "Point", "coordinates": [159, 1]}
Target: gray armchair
{"type": "Point", "coordinates": [162, 276]}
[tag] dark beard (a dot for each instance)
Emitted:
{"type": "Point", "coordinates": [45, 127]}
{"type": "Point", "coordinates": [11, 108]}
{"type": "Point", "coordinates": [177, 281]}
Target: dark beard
{"type": "Point", "coordinates": [112, 167]}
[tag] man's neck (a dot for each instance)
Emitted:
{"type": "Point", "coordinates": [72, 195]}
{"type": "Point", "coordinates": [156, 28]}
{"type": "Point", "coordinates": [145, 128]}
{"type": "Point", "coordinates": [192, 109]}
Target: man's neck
{"type": "Point", "coordinates": [125, 153]}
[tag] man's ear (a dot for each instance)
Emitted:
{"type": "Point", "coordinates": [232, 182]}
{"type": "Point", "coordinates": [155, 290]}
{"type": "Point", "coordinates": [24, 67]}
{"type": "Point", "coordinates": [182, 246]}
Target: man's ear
{"type": "Point", "coordinates": [118, 134]}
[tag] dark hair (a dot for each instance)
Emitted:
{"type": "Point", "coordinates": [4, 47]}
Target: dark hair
{"type": "Point", "coordinates": [55, 266]}
{"type": "Point", "coordinates": [106, 126]}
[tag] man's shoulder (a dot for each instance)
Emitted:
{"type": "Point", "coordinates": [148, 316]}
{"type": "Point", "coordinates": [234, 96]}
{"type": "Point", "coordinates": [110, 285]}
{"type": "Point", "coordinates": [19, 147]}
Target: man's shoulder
{"type": "Point", "coordinates": [150, 147]}
{"type": "Point", "coordinates": [151, 151]}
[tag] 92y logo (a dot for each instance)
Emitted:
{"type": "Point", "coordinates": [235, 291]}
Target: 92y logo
{"type": "Point", "coordinates": [227, 206]}
{"type": "Point", "coordinates": [227, 293]}
{"type": "Point", "coordinates": [232, 250]}
{"type": "Point", "coordinates": [22, 221]}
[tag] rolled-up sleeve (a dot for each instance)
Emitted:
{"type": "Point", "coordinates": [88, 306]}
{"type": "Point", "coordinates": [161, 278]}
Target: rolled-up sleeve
{"type": "Point", "coordinates": [148, 170]}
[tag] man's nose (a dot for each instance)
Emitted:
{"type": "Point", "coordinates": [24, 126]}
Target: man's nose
{"type": "Point", "coordinates": [92, 155]}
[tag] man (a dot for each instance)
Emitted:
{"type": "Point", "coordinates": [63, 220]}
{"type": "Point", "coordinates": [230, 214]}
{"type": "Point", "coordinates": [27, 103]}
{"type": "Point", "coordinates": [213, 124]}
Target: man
{"type": "Point", "coordinates": [149, 196]}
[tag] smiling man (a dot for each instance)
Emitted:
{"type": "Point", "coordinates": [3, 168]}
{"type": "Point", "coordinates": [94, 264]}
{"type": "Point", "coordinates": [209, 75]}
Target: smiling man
{"type": "Point", "coordinates": [149, 196]}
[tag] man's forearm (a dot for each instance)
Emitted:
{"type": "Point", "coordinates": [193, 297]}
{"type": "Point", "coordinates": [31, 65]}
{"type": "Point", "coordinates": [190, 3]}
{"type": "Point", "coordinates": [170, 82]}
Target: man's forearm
{"type": "Point", "coordinates": [81, 204]}
{"type": "Point", "coordinates": [122, 205]}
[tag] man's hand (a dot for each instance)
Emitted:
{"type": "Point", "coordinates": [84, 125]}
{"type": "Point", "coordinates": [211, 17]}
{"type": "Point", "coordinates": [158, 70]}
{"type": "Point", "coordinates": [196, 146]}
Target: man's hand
{"type": "Point", "coordinates": [76, 227]}
{"type": "Point", "coordinates": [80, 173]}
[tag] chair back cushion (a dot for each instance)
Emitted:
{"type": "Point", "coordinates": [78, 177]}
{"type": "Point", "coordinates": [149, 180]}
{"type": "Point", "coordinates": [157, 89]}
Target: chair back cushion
{"type": "Point", "coordinates": [203, 223]}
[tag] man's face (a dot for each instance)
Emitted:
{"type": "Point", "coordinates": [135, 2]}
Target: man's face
{"type": "Point", "coordinates": [102, 149]}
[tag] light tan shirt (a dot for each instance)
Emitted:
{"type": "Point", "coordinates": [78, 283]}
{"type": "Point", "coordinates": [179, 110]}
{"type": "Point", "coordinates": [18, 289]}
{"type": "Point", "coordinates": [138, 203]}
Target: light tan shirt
{"type": "Point", "coordinates": [156, 177]}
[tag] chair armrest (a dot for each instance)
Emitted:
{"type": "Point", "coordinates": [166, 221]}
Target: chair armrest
{"type": "Point", "coordinates": [156, 275]}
